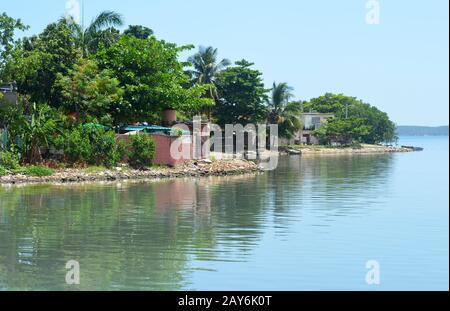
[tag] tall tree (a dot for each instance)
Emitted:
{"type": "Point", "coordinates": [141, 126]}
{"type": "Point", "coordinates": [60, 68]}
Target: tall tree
{"type": "Point", "coordinates": [100, 31]}
{"type": "Point", "coordinates": [283, 112]}
{"type": "Point", "coordinates": [242, 95]}
{"type": "Point", "coordinates": [206, 68]}
{"type": "Point", "coordinates": [89, 91]}
{"type": "Point", "coordinates": [38, 60]}
{"type": "Point", "coordinates": [8, 26]}
{"type": "Point", "coordinates": [152, 78]}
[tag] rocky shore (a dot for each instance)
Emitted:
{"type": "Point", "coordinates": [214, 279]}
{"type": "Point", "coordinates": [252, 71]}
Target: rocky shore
{"type": "Point", "coordinates": [192, 169]}
{"type": "Point", "coordinates": [362, 149]}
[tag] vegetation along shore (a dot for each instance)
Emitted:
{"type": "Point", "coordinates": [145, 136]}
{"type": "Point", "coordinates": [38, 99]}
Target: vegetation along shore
{"type": "Point", "coordinates": [97, 103]}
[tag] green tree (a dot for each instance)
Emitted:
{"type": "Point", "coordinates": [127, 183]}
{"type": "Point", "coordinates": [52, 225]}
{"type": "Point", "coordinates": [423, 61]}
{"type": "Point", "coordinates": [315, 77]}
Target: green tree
{"type": "Point", "coordinates": [206, 68]}
{"type": "Point", "coordinates": [88, 90]}
{"type": "Point", "coordinates": [344, 131]}
{"type": "Point", "coordinates": [8, 26]}
{"type": "Point", "coordinates": [38, 60]}
{"type": "Point", "coordinates": [242, 95]}
{"type": "Point", "coordinates": [138, 31]}
{"type": "Point", "coordinates": [99, 31]}
{"type": "Point", "coordinates": [283, 112]}
{"type": "Point", "coordinates": [34, 132]}
{"type": "Point", "coordinates": [106, 37]}
{"type": "Point", "coordinates": [379, 128]}
{"type": "Point", "coordinates": [152, 78]}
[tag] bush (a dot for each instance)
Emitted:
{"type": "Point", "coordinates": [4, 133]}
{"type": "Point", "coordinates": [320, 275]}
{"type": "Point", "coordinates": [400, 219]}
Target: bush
{"type": "Point", "coordinates": [93, 146]}
{"type": "Point", "coordinates": [3, 171]}
{"type": "Point", "coordinates": [35, 171]}
{"type": "Point", "coordinates": [142, 151]}
{"type": "Point", "coordinates": [76, 146]}
{"type": "Point", "coordinates": [105, 150]}
{"type": "Point", "coordinates": [9, 160]}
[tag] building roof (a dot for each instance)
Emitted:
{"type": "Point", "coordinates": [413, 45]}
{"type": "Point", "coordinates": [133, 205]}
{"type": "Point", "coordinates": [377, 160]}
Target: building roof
{"type": "Point", "coordinates": [319, 114]}
{"type": "Point", "coordinates": [140, 128]}
{"type": "Point", "coordinates": [152, 129]}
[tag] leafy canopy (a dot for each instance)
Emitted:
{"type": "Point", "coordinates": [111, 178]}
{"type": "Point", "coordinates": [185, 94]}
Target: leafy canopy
{"type": "Point", "coordinates": [138, 31]}
{"type": "Point", "coordinates": [152, 78]}
{"type": "Point", "coordinates": [38, 60]}
{"type": "Point", "coordinates": [350, 113]}
{"type": "Point", "coordinates": [8, 26]}
{"type": "Point", "coordinates": [242, 95]}
{"type": "Point", "coordinates": [89, 91]}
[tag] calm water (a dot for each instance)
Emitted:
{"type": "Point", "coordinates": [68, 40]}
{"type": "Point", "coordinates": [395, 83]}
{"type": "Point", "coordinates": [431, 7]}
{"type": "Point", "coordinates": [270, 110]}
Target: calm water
{"type": "Point", "coordinates": [312, 224]}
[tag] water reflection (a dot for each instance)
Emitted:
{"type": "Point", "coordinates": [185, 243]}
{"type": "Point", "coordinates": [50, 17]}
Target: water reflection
{"type": "Point", "coordinates": [157, 235]}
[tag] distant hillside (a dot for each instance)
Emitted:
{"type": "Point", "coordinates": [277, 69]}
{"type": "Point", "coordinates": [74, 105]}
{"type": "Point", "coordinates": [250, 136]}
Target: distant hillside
{"type": "Point", "coordinates": [422, 131]}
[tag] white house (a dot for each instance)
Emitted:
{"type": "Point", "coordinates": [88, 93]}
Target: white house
{"type": "Point", "coordinates": [311, 122]}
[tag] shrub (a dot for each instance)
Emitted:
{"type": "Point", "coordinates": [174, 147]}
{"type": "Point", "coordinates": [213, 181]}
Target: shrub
{"type": "Point", "coordinates": [9, 160]}
{"type": "Point", "coordinates": [76, 146]}
{"type": "Point", "coordinates": [93, 146]}
{"type": "Point", "coordinates": [142, 151]}
{"type": "Point", "coordinates": [105, 150]}
{"type": "Point", "coordinates": [35, 171]}
{"type": "Point", "coordinates": [3, 171]}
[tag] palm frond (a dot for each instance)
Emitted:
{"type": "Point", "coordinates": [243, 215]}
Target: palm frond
{"type": "Point", "coordinates": [105, 19]}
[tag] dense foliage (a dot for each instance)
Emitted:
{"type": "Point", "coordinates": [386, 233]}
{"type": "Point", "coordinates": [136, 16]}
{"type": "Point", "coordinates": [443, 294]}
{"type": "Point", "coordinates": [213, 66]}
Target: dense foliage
{"type": "Point", "coordinates": [88, 91]}
{"type": "Point", "coordinates": [355, 120]}
{"type": "Point", "coordinates": [152, 78]}
{"type": "Point", "coordinates": [8, 27]}
{"type": "Point", "coordinates": [138, 31]}
{"type": "Point", "coordinates": [9, 160]}
{"type": "Point", "coordinates": [141, 151]}
{"type": "Point", "coordinates": [73, 80]}
{"type": "Point", "coordinates": [90, 145]}
{"type": "Point", "coordinates": [37, 61]}
{"type": "Point", "coordinates": [241, 95]}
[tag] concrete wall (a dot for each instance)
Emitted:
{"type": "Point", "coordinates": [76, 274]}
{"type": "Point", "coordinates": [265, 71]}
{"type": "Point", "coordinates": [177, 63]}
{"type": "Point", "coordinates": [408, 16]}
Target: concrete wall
{"type": "Point", "coordinates": [163, 144]}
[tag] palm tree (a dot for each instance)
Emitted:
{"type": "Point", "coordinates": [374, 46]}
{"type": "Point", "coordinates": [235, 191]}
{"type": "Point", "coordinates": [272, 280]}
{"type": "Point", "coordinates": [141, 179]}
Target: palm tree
{"type": "Point", "coordinates": [284, 112]}
{"type": "Point", "coordinates": [206, 68]}
{"type": "Point", "coordinates": [101, 29]}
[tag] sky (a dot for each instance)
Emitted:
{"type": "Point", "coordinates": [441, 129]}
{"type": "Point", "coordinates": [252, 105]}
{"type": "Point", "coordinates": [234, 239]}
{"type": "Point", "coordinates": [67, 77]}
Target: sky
{"type": "Point", "coordinates": [400, 65]}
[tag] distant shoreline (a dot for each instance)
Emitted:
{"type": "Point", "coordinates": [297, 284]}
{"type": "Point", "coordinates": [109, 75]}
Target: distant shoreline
{"type": "Point", "coordinates": [413, 130]}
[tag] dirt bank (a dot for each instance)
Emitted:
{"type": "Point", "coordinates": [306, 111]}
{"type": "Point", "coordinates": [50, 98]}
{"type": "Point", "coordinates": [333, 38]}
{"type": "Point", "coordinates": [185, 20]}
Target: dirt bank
{"type": "Point", "coordinates": [191, 169]}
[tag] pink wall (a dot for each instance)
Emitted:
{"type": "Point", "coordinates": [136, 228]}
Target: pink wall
{"type": "Point", "coordinates": [163, 144]}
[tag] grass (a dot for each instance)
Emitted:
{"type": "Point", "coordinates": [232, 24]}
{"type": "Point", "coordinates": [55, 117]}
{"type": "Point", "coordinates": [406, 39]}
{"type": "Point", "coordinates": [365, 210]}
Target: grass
{"type": "Point", "coordinates": [159, 167]}
{"type": "Point", "coordinates": [32, 170]}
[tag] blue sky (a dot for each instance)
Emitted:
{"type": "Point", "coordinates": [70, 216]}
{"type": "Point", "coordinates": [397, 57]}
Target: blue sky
{"type": "Point", "coordinates": [317, 46]}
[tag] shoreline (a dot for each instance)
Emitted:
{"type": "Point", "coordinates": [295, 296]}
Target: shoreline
{"type": "Point", "coordinates": [364, 149]}
{"type": "Point", "coordinates": [200, 168]}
